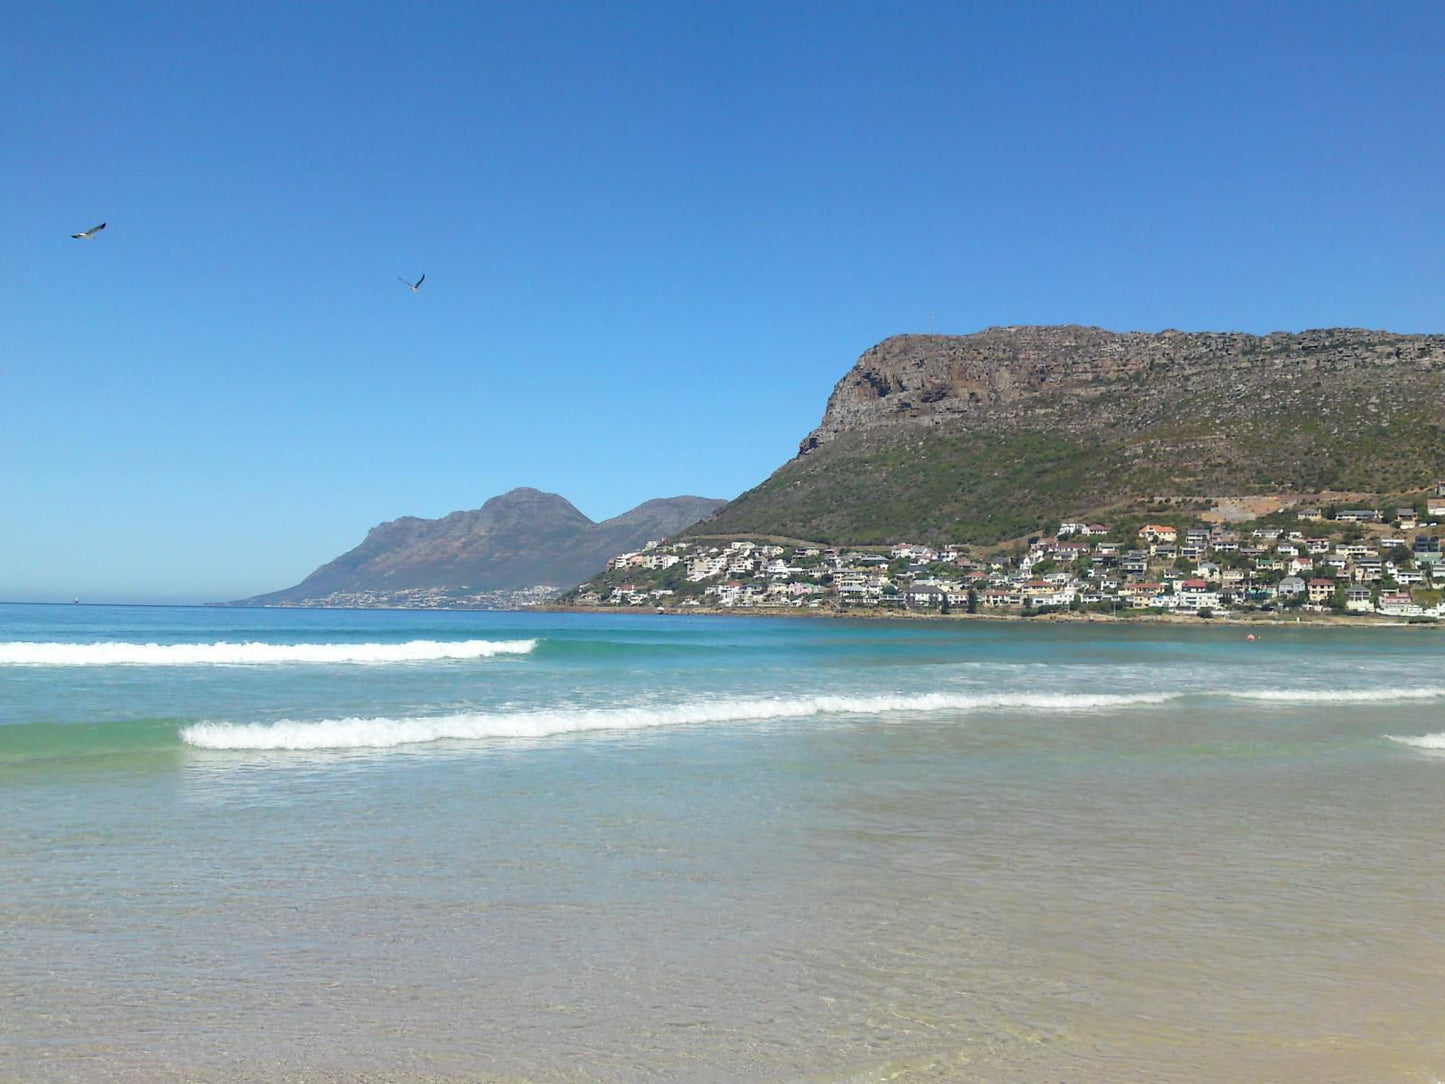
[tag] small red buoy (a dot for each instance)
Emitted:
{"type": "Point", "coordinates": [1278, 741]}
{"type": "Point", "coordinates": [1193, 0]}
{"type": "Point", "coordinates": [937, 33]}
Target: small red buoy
{"type": "Point", "coordinates": [1250, 637]}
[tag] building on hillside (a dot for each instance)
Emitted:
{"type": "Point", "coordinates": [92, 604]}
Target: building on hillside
{"type": "Point", "coordinates": [1195, 600]}
{"type": "Point", "coordinates": [1134, 564]}
{"type": "Point", "coordinates": [1399, 606]}
{"type": "Point", "coordinates": [1369, 569]}
{"type": "Point", "coordinates": [702, 568]}
{"type": "Point", "coordinates": [1359, 599]}
{"type": "Point", "coordinates": [1291, 587]}
{"type": "Point", "coordinates": [915, 553]}
{"type": "Point", "coordinates": [1068, 551]}
{"type": "Point", "coordinates": [1141, 594]}
{"type": "Point", "coordinates": [926, 595]}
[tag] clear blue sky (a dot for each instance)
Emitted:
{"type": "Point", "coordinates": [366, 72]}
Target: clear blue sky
{"type": "Point", "coordinates": [654, 235]}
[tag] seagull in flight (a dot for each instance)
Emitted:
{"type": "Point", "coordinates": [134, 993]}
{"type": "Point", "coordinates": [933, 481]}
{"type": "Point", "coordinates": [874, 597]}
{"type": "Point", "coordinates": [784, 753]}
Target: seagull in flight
{"type": "Point", "coordinates": [412, 286]}
{"type": "Point", "coordinates": [89, 234]}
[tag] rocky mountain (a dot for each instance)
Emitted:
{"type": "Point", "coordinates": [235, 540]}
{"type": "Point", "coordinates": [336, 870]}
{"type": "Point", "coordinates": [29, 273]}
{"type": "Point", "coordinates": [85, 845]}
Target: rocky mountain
{"type": "Point", "coordinates": [517, 540]}
{"type": "Point", "coordinates": [985, 437]}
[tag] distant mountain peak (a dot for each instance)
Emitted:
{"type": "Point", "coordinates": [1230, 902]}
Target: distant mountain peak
{"type": "Point", "coordinates": [526, 496]}
{"type": "Point", "coordinates": [518, 539]}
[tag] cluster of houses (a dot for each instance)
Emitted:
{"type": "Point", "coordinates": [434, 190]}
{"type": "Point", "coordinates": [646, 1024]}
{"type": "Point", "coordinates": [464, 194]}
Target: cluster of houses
{"type": "Point", "coordinates": [431, 598]}
{"type": "Point", "coordinates": [1383, 562]}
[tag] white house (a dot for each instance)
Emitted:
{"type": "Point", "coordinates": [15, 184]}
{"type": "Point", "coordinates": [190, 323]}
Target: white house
{"type": "Point", "coordinates": [1399, 606]}
{"type": "Point", "coordinates": [1358, 599]}
{"type": "Point", "coordinates": [1197, 595]}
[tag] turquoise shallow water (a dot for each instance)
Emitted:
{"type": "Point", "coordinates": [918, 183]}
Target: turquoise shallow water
{"type": "Point", "coordinates": [323, 845]}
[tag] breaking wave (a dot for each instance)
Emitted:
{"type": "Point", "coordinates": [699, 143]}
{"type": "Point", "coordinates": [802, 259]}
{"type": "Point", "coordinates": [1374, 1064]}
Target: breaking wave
{"type": "Point", "coordinates": [382, 733]}
{"type": "Point", "coordinates": [1424, 741]}
{"type": "Point", "coordinates": [25, 653]}
{"type": "Point", "coordinates": [1342, 696]}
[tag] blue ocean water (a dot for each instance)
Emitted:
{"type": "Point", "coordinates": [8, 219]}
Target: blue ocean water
{"type": "Point", "coordinates": [363, 845]}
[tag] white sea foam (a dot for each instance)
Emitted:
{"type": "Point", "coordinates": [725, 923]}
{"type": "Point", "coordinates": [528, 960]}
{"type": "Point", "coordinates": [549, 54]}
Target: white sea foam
{"type": "Point", "coordinates": [25, 653]}
{"type": "Point", "coordinates": [380, 733]}
{"type": "Point", "coordinates": [1424, 741]}
{"type": "Point", "coordinates": [1343, 696]}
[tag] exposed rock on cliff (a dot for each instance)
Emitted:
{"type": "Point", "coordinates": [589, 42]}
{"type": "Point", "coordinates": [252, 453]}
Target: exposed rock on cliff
{"type": "Point", "coordinates": [986, 436]}
{"type": "Point", "coordinates": [1010, 374]}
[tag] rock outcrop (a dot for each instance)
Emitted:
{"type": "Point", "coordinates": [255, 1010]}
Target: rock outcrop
{"type": "Point", "coordinates": [986, 437]}
{"type": "Point", "coordinates": [1012, 372]}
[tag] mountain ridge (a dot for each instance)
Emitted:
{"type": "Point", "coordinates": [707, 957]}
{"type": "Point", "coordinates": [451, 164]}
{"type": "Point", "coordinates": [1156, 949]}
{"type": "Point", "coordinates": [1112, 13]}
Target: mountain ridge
{"type": "Point", "coordinates": [985, 437]}
{"type": "Point", "coordinates": [519, 539]}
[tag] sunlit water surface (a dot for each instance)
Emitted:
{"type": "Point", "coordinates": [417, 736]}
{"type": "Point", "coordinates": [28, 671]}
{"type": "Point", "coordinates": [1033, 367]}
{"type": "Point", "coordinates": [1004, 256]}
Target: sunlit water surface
{"type": "Point", "coordinates": [381, 847]}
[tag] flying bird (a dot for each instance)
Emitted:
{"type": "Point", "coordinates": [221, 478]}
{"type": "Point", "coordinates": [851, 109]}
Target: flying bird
{"type": "Point", "coordinates": [90, 233]}
{"type": "Point", "coordinates": [412, 286]}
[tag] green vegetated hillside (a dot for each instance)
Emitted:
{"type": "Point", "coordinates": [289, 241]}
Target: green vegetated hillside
{"type": "Point", "coordinates": [989, 437]}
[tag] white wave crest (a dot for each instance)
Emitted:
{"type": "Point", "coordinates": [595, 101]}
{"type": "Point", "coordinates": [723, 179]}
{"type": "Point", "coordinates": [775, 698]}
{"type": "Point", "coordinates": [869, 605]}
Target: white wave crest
{"type": "Point", "coordinates": [382, 733]}
{"type": "Point", "coordinates": [25, 653]}
{"type": "Point", "coordinates": [1424, 741]}
{"type": "Point", "coordinates": [1342, 696]}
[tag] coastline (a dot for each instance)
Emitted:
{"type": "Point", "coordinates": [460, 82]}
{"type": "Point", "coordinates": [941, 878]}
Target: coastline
{"type": "Point", "coordinates": [1242, 620]}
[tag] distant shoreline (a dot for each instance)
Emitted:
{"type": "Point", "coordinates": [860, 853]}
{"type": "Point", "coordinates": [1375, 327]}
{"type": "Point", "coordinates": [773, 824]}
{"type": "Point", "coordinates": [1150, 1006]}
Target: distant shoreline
{"type": "Point", "coordinates": [1251, 620]}
{"type": "Point", "coordinates": [1236, 620]}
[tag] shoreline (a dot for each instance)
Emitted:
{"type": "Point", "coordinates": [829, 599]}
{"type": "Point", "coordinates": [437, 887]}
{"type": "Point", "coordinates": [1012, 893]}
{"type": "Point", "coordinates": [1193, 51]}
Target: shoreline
{"type": "Point", "coordinates": [1238, 620]}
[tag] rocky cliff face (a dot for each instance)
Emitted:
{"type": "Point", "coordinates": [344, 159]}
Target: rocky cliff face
{"type": "Point", "coordinates": [1013, 373]}
{"type": "Point", "coordinates": [517, 540]}
{"type": "Point", "coordinates": [982, 438]}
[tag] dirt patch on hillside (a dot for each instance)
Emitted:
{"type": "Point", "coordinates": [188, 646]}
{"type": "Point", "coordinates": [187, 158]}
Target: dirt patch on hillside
{"type": "Point", "coordinates": [1242, 509]}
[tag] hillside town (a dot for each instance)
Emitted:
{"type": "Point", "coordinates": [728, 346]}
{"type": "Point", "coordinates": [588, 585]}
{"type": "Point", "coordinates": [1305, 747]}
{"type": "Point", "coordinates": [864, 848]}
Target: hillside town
{"type": "Point", "coordinates": [1333, 560]}
{"type": "Point", "coordinates": [428, 598]}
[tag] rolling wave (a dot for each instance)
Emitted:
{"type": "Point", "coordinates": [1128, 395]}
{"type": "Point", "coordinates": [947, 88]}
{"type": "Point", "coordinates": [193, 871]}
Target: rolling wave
{"type": "Point", "coordinates": [1342, 696]}
{"type": "Point", "coordinates": [381, 733]}
{"type": "Point", "coordinates": [1424, 741]}
{"type": "Point", "coordinates": [26, 653]}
